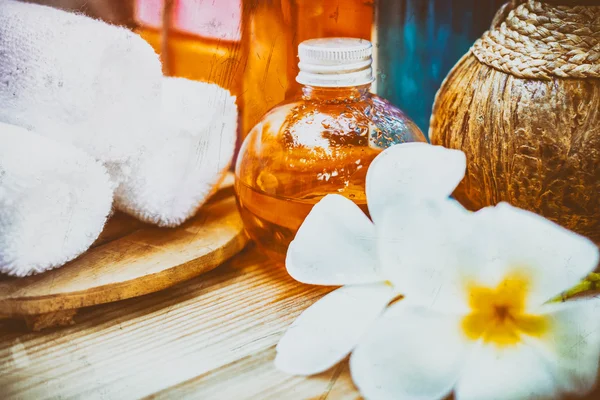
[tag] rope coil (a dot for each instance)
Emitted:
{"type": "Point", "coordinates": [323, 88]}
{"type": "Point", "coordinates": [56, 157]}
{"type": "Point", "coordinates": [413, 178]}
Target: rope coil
{"type": "Point", "coordinates": [542, 41]}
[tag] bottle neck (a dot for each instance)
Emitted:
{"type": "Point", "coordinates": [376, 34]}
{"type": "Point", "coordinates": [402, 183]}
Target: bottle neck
{"type": "Point", "coordinates": [335, 94]}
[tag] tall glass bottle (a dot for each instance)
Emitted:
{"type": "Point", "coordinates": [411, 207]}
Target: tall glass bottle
{"type": "Point", "coordinates": [318, 143]}
{"type": "Point", "coordinates": [273, 29]}
{"type": "Point", "coordinates": [267, 43]}
{"type": "Point", "coordinates": [311, 19]}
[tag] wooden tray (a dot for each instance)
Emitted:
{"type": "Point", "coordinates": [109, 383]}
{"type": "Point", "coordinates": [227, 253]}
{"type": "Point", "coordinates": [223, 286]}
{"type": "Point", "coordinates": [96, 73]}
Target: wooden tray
{"type": "Point", "coordinates": [129, 259]}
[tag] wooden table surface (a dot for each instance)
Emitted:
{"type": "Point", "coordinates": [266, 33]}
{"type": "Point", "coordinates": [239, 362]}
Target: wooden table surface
{"type": "Point", "coordinates": [212, 337]}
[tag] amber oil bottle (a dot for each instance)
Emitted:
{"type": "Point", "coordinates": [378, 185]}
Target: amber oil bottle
{"type": "Point", "coordinates": [318, 143]}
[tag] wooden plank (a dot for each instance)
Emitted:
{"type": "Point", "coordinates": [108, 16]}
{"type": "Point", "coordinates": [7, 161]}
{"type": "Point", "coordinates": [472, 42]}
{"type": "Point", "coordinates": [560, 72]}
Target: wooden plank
{"type": "Point", "coordinates": [142, 346]}
{"type": "Point", "coordinates": [255, 377]}
{"type": "Point", "coordinates": [212, 337]}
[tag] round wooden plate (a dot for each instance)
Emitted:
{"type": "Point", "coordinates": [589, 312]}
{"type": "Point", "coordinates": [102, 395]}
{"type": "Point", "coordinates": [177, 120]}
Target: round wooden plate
{"type": "Point", "coordinates": [129, 259]}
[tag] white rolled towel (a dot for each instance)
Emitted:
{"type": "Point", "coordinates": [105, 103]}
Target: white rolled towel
{"type": "Point", "coordinates": [180, 167]}
{"type": "Point", "coordinates": [54, 201]}
{"type": "Point", "coordinates": [76, 79]}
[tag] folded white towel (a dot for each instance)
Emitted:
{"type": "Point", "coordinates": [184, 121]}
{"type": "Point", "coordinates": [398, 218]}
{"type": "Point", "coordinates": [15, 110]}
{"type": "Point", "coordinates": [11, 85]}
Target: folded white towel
{"type": "Point", "coordinates": [76, 79]}
{"type": "Point", "coordinates": [54, 201]}
{"type": "Point", "coordinates": [179, 168]}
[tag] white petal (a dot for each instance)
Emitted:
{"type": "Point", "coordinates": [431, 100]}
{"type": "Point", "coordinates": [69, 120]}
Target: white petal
{"type": "Point", "coordinates": [328, 330]}
{"type": "Point", "coordinates": [572, 345]}
{"type": "Point", "coordinates": [554, 258]}
{"type": "Point", "coordinates": [417, 170]}
{"type": "Point", "coordinates": [430, 251]}
{"type": "Point", "coordinates": [411, 353]}
{"type": "Point", "coordinates": [506, 373]}
{"type": "Point", "coordinates": [334, 246]}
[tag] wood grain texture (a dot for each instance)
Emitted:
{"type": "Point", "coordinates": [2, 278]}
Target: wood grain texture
{"type": "Point", "coordinates": [131, 260]}
{"type": "Point", "coordinates": [211, 337]}
{"type": "Point", "coordinates": [532, 143]}
{"type": "Point", "coordinates": [255, 377]}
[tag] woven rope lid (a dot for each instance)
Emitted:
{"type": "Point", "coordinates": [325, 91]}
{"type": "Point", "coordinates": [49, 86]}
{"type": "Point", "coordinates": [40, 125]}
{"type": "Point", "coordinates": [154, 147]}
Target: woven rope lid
{"type": "Point", "coordinates": [540, 41]}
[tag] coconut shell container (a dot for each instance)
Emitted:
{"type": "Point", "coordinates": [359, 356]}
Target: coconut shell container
{"type": "Point", "coordinates": [524, 105]}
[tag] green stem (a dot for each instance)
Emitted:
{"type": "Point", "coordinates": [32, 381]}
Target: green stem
{"type": "Point", "coordinates": [589, 285]}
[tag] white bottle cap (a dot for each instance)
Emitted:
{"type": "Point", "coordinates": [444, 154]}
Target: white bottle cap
{"type": "Point", "coordinates": [335, 62]}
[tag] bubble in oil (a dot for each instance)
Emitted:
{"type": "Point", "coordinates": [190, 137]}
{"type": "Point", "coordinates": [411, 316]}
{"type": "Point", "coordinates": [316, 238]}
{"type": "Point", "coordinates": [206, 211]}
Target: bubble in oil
{"type": "Point", "coordinates": [267, 182]}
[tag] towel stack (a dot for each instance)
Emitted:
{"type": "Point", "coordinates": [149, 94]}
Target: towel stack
{"type": "Point", "coordinates": [168, 181]}
{"type": "Point", "coordinates": [54, 200]}
{"type": "Point", "coordinates": [79, 80]}
{"type": "Point", "coordinates": [98, 122]}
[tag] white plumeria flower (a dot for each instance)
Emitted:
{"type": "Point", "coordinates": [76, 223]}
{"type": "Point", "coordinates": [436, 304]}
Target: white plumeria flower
{"type": "Point", "coordinates": [474, 319]}
{"type": "Point", "coordinates": [336, 245]}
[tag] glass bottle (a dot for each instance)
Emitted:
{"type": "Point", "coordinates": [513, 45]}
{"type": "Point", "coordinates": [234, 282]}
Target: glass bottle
{"type": "Point", "coordinates": [267, 44]}
{"type": "Point", "coordinates": [272, 31]}
{"type": "Point", "coordinates": [312, 19]}
{"type": "Point", "coordinates": [318, 143]}
{"type": "Point", "coordinates": [204, 42]}
{"type": "Point", "coordinates": [197, 39]}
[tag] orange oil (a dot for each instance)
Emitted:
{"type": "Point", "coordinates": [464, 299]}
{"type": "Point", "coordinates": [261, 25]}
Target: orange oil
{"type": "Point", "coordinates": [273, 220]}
{"type": "Point", "coordinates": [267, 44]}
{"type": "Point", "coordinates": [206, 59]}
{"type": "Point", "coordinates": [306, 148]}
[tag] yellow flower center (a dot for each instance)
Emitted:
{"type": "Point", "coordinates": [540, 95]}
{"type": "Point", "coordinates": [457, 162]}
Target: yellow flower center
{"type": "Point", "coordinates": [498, 315]}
